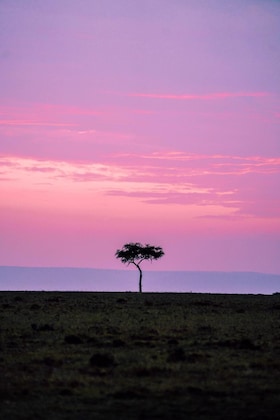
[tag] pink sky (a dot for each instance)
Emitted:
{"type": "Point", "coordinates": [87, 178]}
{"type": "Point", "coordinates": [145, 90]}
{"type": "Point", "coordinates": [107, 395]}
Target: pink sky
{"type": "Point", "coordinates": [152, 121]}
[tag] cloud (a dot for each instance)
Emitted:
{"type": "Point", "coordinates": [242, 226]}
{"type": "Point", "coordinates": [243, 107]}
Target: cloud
{"type": "Point", "coordinates": [44, 115]}
{"type": "Point", "coordinates": [246, 184]}
{"type": "Point", "coordinates": [22, 123]}
{"type": "Point", "coordinates": [187, 97]}
{"type": "Point", "coordinates": [242, 186]}
{"type": "Point", "coordinates": [45, 171]}
{"type": "Point", "coordinates": [188, 197]}
{"type": "Point", "coordinates": [46, 109]}
{"type": "Point", "coordinates": [177, 164]}
{"type": "Point", "coordinates": [170, 167]}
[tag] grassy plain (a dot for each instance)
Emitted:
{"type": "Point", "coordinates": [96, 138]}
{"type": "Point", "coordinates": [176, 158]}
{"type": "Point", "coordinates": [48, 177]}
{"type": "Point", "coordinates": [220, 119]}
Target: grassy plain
{"type": "Point", "coordinates": [131, 356]}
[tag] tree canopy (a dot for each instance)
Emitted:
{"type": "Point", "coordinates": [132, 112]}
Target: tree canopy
{"type": "Point", "coordinates": [135, 253]}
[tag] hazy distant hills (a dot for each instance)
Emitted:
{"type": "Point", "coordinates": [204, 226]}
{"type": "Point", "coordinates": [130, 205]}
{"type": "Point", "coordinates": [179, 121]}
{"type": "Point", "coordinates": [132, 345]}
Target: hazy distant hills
{"type": "Point", "coordinates": [89, 279]}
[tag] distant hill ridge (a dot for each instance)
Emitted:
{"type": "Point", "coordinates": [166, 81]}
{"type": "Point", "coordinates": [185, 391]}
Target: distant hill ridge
{"type": "Point", "coordinates": [92, 279]}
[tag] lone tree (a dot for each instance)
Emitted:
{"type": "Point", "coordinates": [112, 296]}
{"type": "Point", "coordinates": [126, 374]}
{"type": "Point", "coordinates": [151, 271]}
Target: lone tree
{"type": "Point", "coordinates": [135, 253]}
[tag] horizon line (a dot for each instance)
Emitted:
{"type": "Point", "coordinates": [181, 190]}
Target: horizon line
{"type": "Point", "coordinates": [131, 269]}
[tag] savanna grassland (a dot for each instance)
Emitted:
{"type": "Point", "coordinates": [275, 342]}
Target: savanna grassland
{"type": "Point", "coordinates": [139, 356]}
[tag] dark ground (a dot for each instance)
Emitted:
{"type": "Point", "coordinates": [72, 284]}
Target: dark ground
{"type": "Point", "coordinates": [131, 356]}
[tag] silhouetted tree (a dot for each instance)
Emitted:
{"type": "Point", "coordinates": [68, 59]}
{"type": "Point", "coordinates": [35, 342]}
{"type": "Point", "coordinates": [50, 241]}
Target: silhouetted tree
{"type": "Point", "coordinates": [135, 253]}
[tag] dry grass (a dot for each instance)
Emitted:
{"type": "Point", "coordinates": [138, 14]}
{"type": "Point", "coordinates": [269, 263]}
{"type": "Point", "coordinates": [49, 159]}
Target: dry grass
{"type": "Point", "coordinates": [131, 356]}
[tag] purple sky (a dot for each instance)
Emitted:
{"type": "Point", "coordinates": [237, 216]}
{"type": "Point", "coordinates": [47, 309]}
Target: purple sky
{"type": "Point", "coordinates": [153, 121]}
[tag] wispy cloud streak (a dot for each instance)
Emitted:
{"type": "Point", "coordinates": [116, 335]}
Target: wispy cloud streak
{"type": "Point", "coordinates": [162, 178]}
{"type": "Point", "coordinates": [187, 97]}
{"type": "Point", "coordinates": [43, 115]}
{"type": "Point", "coordinates": [22, 123]}
{"type": "Point", "coordinates": [203, 164]}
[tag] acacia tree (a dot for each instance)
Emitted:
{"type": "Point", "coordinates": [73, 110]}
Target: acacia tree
{"type": "Point", "coordinates": [135, 253]}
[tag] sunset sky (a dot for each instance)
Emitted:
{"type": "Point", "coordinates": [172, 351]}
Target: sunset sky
{"type": "Point", "coordinates": [151, 121]}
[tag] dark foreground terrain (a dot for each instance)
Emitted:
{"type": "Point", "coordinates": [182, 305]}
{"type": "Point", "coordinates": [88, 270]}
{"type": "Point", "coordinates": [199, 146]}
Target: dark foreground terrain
{"type": "Point", "coordinates": [130, 356]}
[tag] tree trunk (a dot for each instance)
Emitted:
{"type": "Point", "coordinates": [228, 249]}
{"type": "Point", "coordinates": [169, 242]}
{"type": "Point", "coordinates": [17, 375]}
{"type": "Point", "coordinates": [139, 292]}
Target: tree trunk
{"type": "Point", "coordinates": [140, 278]}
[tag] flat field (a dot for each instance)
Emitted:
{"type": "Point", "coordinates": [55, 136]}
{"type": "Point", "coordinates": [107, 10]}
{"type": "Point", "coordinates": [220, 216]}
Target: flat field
{"type": "Point", "coordinates": [130, 356]}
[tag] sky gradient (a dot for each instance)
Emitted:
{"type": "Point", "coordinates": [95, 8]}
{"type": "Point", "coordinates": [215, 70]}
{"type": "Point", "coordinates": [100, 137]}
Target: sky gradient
{"type": "Point", "coordinates": [149, 121]}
